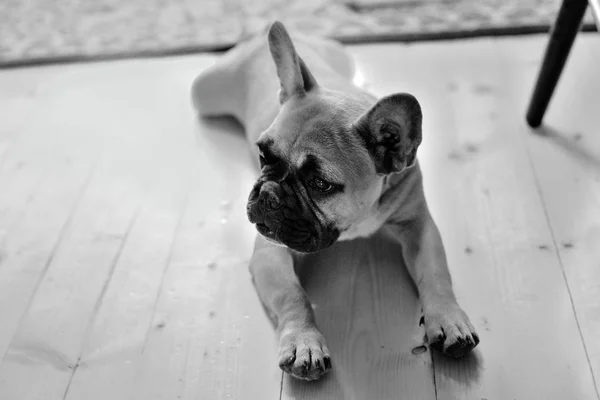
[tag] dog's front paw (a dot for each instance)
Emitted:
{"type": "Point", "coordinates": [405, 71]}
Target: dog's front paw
{"type": "Point", "coordinates": [303, 353]}
{"type": "Point", "coordinates": [449, 330]}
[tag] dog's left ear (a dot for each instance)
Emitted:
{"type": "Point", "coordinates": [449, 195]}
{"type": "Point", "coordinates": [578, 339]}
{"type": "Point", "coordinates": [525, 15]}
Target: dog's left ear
{"type": "Point", "coordinates": [294, 76]}
{"type": "Point", "coordinates": [392, 132]}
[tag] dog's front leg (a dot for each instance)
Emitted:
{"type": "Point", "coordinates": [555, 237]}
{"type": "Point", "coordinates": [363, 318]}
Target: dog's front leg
{"type": "Point", "coordinates": [302, 349]}
{"type": "Point", "coordinates": [447, 326]}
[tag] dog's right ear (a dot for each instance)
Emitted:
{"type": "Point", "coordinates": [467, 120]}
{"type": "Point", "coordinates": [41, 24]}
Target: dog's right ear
{"type": "Point", "coordinates": [294, 76]}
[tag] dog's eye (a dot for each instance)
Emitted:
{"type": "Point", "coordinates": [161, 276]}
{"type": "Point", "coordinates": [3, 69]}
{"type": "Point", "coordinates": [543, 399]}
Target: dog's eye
{"type": "Point", "coordinates": [266, 158]}
{"type": "Point", "coordinates": [321, 185]}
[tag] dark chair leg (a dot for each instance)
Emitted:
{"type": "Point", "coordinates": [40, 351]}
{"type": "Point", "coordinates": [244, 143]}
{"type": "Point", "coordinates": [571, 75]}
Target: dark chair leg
{"type": "Point", "coordinates": [561, 39]}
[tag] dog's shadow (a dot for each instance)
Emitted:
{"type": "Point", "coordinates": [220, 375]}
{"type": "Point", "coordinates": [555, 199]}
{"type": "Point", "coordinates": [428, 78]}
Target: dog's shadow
{"type": "Point", "coordinates": [571, 145]}
{"type": "Point", "coordinates": [367, 308]}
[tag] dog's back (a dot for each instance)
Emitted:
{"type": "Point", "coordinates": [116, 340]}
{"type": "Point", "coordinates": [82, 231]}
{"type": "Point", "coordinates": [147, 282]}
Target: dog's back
{"type": "Point", "coordinates": [222, 89]}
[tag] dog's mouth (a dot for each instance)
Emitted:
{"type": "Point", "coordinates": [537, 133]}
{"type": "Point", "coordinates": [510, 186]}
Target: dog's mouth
{"type": "Point", "coordinates": [280, 220]}
{"type": "Point", "coordinates": [264, 230]}
{"type": "Point", "coordinates": [305, 246]}
{"type": "Point", "coordinates": [269, 234]}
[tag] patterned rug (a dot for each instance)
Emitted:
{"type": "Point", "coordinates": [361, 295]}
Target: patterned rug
{"type": "Point", "coordinates": [49, 31]}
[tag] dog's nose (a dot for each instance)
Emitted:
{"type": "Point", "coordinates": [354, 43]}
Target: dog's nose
{"type": "Point", "coordinates": [273, 202]}
{"type": "Point", "coordinates": [270, 198]}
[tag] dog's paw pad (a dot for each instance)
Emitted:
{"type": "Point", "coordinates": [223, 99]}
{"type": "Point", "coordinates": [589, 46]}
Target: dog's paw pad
{"type": "Point", "coordinates": [304, 354]}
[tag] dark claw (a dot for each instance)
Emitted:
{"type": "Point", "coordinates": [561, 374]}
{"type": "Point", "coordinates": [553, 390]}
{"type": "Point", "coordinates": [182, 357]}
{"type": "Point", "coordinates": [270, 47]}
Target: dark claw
{"type": "Point", "coordinates": [438, 342]}
{"type": "Point", "coordinates": [469, 341]}
{"type": "Point", "coordinates": [306, 365]}
{"type": "Point", "coordinates": [422, 320]}
{"type": "Point", "coordinates": [327, 362]}
{"type": "Point", "coordinates": [318, 365]}
{"type": "Point", "coordinates": [476, 338]}
{"type": "Point", "coordinates": [289, 361]}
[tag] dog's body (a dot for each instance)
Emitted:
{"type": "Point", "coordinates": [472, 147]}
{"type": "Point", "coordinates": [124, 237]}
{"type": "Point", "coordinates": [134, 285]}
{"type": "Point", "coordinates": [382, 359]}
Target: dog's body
{"type": "Point", "coordinates": [336, 164]}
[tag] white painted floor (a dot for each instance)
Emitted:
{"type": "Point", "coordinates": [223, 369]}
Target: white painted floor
{"type": "Point", "coordinates": [124, 241]}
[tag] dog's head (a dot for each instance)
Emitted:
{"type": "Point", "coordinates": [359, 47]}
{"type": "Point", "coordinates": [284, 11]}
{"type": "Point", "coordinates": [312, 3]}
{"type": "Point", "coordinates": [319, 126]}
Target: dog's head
{"type": "Point", "coordinates": [324, 157]}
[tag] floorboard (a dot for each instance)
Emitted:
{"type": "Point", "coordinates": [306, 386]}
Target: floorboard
{"type": "Point", "coordinates": [108, 360]}
{"type": "Point", "coordinates": [46, 346]}
{"type": "Point", "coordinates": [124, 242]}
{"type": "Point", "coordinates": [35, 222]}
{"type": "Point", "coordinates": [565, 156]}
{"type": "Point", "coordinates": [210, 338]}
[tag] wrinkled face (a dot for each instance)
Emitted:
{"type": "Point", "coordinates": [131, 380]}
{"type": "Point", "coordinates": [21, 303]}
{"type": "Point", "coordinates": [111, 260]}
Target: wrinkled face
{"type": "Point", "coordinates": [317, 177]}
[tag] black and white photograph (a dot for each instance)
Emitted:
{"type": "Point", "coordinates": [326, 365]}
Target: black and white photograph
{"type": "Point", "coordinates": [300, 200]}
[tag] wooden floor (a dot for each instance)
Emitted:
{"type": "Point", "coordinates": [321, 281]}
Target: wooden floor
{"type": "Point", "coordinates": [124, 241]}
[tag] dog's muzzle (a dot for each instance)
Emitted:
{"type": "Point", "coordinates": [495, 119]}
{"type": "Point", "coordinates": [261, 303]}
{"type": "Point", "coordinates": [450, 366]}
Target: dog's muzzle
{"type": "Point", "coordinates": [279, 216]}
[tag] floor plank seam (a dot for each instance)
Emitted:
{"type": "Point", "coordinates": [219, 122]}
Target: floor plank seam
{"type": "Point", "coordinates": [562, 268]}
{"type": "Point", "coordinates": [166, 266]}
{"type": "Point", "coordinates": [105, 287]}
{"type": "Point", "coordinates": [61, 235]}
{"type": "Point", "coordinates": [281, 387]}
{"type": "Point", "coordinates": [111, 271]}
{"type": "Point", "coordinates": [435, 389]}
{"type": "Point", "coordinates": [75, 367]}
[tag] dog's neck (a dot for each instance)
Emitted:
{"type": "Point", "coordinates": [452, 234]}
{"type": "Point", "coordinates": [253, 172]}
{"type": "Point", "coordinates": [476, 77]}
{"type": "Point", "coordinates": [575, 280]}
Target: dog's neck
{"type": "Point", "coordinates": [394, 196]}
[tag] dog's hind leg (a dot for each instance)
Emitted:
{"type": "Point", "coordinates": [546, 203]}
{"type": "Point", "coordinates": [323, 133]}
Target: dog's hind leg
{"type": "Point", "coordinates": [335, 55]}
{"type": "Point", "coordinates": [214, 90]}
{"type": "Point", "coordinates": [220, 89]}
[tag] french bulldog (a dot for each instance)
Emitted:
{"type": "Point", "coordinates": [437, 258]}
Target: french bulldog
{"type": "Point", "coordinates": [335, 163]}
